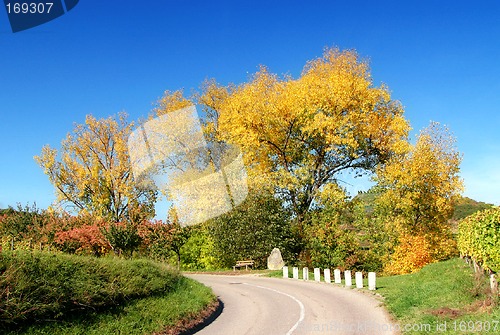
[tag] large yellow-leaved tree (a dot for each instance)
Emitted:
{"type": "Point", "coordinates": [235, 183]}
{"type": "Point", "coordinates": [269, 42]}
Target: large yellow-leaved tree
{"type": "Point", "coordinates": [299, 135]}
{"type": "Point", "coordinates": [92, 171]}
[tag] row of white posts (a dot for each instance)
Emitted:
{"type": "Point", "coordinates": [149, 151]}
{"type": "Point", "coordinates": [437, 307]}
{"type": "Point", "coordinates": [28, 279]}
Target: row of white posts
{"type": "Point", "coordinates": [372, 278]}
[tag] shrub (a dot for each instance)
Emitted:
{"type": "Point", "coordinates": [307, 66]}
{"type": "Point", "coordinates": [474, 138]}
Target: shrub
{"type": "Point", "coordinates": [198, 252]}
{"type": "Point", "coordinates": [410, 255]}
{"type": "Point", "coordinates": [251, 231]}
{"type": "Point", "coordinates": [84, 240]}
{"type": "Point", "coordinates": [479, 238]}
{"type": "Point", "coordinates": [122, 237]}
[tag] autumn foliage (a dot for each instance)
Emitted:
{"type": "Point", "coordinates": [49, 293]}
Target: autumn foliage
{"type": "Point", "coordinates": [411, 254]}
{"type": "Point", "coordinates": [298, 136]}
{"type": "Point", "coordinates": [419, 191]}
{"type": "Point", "coordinates": [86, 240]}
{"type": "Point", "coordinates": [92, 173]}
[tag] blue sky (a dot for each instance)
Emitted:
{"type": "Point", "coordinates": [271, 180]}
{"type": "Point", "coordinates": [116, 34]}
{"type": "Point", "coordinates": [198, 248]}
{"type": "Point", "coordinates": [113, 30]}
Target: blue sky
{"type": "Point", "coordinates": [441, 59]}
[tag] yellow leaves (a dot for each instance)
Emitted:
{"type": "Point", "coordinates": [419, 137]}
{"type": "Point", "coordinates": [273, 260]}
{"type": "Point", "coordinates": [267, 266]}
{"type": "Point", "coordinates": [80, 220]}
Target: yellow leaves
{"type": "Point", "coordinates": [410, 255]}
{"type": "Point", "coordinates": [300, 132]}
{"type": "Point", "coordinates": [415, 250]}
{"type": "Point", "coordinates": [420, 187]}
{"type": "Point", "coordinates": [47, 159]}
{"type": "Point", "coordinates": [92, 170]}
{"type": "Point", "coordinates": [170, 102]}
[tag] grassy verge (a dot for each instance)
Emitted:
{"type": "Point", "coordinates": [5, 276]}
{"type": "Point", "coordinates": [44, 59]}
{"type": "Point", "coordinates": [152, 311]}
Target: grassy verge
{"type": "Point", "coordinates": [140, 316]}
{"type": "Point", "coordinates": [44, 293]}
{"type": "Point", "coordinates": [443, 298]}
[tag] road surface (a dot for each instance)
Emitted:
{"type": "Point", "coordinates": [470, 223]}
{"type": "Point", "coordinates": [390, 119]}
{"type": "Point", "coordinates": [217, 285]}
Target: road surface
{"type": "Point", "coordinates": [269, 306]}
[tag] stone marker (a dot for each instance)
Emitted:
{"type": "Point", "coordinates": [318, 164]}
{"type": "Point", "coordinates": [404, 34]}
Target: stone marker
{"type": "Point", "coordinates": [275, 261]}
{"type": "Point", "coordinates": [359, 279]}
{"type": "Point", "coordinates": [372, 280]}
{"type": "Point", "coordinates": [317, 274]}
{"type": "Point", "coordinates": [295, 272]}
{"type": "Point", "coordinates": [336, 275]}
{"type": "Point", "coordinates": [328, 278]}
{"type": "Point", "coordinates": [305, 273]}
{"type": "Point", "coordinates": [285, 272]}
{"type": "Point", "coordinates": [348, 278]}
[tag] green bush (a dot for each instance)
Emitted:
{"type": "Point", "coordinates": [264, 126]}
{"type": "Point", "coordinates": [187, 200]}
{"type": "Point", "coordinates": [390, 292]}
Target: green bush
{"type": "Point", "coordinates": [38, 286]}
{"type": "Point", "coordinates": [251, 231]}
{"type": "Point", "coordinates": [198, 252]}
{"type": "Point", "coordinates": [479, 238]}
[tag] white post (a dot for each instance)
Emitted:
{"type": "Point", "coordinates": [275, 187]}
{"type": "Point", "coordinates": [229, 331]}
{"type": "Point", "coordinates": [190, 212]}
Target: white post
{"type": "Point", "coordinates": [493, 284]}
{"type": "Point", "coordinates": [305, 273]}
{"type": "Point", "coordinates": [336, 275]}
{"type": "Point", "coordinates": [295, 272]}
{"type": "Point", "coordinates": [372, 280]}
{"type": "Point", "coordinates": [328, 279]}
{"type": "Point", "coordinates": [359, 279]}
{"type": "Point", "coordinates": [348, 278]}
{"type": "Point", "coordinates": [317, 274]}
{"type": "Point", "coordinates": [285, 272]}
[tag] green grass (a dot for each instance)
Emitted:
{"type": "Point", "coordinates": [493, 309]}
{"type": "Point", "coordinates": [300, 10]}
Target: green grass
{"type": "Point", "coordinates": [46, 293]}
{"type": "Point", "coordinates": [39, 285]}
{"type": "Point", "coordinates": [445, 294]}
{"type": "Point", "coordinates": [140, 316]}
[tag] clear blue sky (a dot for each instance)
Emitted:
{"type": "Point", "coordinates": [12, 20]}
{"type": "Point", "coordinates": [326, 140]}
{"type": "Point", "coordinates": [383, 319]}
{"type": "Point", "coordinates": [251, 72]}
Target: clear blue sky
{"type": "Point", "coordinates": [441, 59]}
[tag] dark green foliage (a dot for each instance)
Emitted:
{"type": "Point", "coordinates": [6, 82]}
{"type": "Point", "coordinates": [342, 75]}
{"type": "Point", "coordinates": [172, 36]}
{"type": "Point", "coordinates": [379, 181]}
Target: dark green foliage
{"type": "Point", "coordinates": [36, 286]}
{"type": "Point", "coordinates": [123, 237]}
{"type": "Point", "coordinates": [251, 231]}
{"type": "Point", "coordinates": [330, 237]}
{"type": "Point", "coordinates": [347, 234]}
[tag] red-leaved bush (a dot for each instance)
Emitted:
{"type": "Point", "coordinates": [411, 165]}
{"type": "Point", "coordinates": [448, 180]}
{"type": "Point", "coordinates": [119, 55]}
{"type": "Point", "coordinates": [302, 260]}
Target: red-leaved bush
{"type": "Point", "coordinates": [87, 239]}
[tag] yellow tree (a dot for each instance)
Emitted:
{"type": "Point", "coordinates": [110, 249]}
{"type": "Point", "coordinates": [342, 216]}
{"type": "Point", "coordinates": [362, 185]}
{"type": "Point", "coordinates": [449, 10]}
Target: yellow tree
{"type": "Point", "coordinates": [92, 171]}
{"type": "Point", "coordinates": [420, 188]}
{"type": "Point", "coordinates": [298, 135]}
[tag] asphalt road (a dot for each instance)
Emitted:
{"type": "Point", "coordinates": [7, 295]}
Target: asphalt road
{"type": "Point", "coordinates": [262, 306]}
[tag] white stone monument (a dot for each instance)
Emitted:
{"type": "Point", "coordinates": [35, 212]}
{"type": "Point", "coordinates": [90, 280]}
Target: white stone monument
{"type": "Point", "coordinates": [275, 261]}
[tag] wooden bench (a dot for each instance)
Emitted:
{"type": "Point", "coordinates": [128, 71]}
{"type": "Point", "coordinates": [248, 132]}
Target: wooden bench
{"type": "Point", "coordinates": [246, 264]}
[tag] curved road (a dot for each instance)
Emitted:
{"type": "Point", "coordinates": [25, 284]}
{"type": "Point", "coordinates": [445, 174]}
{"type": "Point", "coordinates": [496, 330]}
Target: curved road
{"type": "Point", "coordinates": [262, 306]}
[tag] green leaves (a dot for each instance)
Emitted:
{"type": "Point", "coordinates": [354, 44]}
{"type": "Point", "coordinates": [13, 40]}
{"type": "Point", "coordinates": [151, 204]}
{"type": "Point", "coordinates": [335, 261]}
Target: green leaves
{"type": "Point", "coordinates": [252, 230]}
{"type": "Point", "coordinates": [478, 238]}
{"type": "Point", "coordinates": [123, 237]}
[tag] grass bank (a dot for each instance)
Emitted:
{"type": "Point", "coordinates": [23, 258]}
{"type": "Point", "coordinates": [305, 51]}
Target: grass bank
{"type": "Point", "coordinates": [442, 298]}
{"type": "Point", "coordinates": [45, 293]}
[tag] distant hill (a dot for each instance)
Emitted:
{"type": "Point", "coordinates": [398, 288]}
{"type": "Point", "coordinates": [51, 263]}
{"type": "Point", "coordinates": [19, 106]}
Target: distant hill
{"type": "Point", "coordinates": [467, 206]}
{"type": "Point", "coordinates": [463, 208]}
